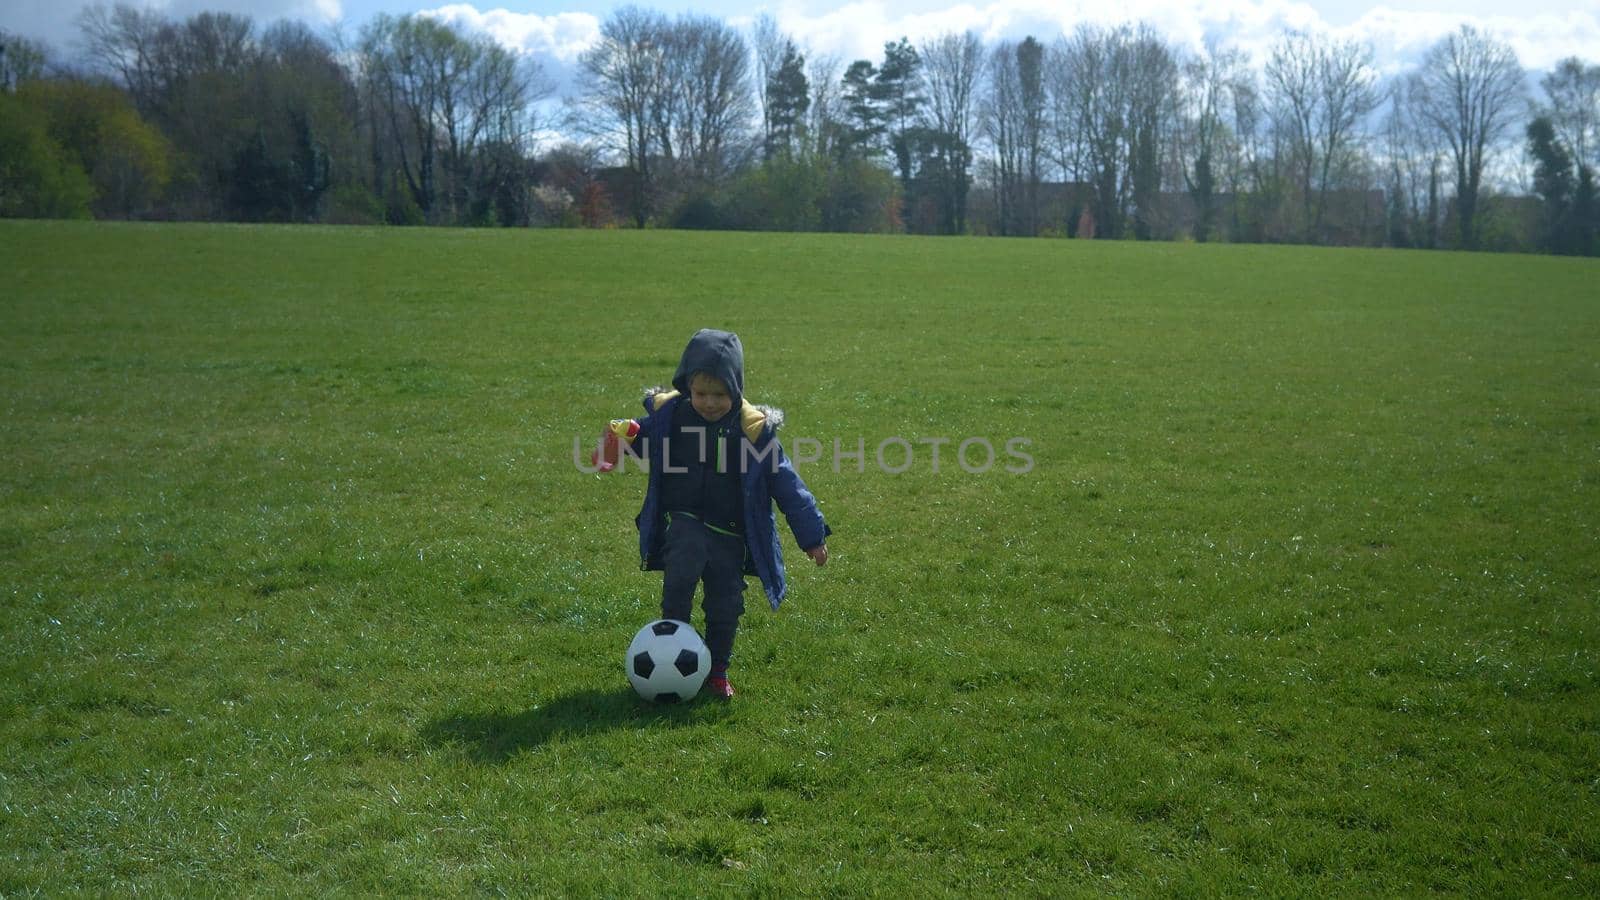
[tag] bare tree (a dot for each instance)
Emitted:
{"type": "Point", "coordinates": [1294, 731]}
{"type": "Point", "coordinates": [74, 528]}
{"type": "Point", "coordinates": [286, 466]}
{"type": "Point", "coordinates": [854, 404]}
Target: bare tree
{"type": "Point", "coordinates": [1209, 145]}
{"type": "Point", "coordinates": [216, 42]}
{"type": "Point", "coordinates": [1113, 107]}
{"type": "Point", "coordinates": [672, 97]}
{"type": "Point", "coordinates": [137, 47]}
{"type": "Point", "coordinates": [154, 58]}
{"type": "Point", "coordinates": [503, 90]}
{"type": "Point", "coordinates": [404, 58]}
{"type": "Point", "coordinates": [708, 78]}
{"type": "Point", "coordinates": [1090, 86]}
{"type": "Point", "coordinates": [1573, 90]}
{"type": "Point", "coordinates": [1414, 162]}
{"type": "Point", "coordinates": [1065, 98]}
{"type": "Point", "coordinates": [952, 67]}
{"type": "Point", "coordinates": [825, 121]}
{"type": "Point", "coordinates": [188, 78]}
{"type": "Point", "coordinates": [444, 98]}
{"type": "Point", "coordinates": [1003, 125]}
{"type": "Point", "coordinates": [1013, 115]}
{"type": "Point", "coordinates": [623, 94]}
{"type": "Point", "coordinates": [21, 60]}
{"type": "Point", "coordinates": [454, 62]}
{"type": "Point", "coordinates": [1152, 105]}
{"type": "Point", "coordinates": [1245, 98]}
{"type": "Point", "coordinates": [1469, 90]}
{"type": "Point", "coordinates": [1348, 90]}
{"type": "Point", "coordinates": [1321, 90]}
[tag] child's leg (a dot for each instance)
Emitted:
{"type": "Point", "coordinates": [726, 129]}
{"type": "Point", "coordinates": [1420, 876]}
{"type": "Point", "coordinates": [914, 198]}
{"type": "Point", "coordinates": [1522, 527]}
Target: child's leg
{"type": "Point", "coordinates": [683, 561]}
{"type": "Point", "coordinates": [724, 598]}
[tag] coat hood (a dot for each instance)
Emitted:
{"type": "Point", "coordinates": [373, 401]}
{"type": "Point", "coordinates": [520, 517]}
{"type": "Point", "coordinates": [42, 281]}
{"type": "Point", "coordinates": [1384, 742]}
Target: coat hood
{"type": "Point", "coordinates": [716, 353]}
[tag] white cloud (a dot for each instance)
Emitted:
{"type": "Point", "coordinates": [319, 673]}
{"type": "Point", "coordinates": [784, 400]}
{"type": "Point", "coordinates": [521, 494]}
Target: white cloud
{"type": "Point", "coordinates": [1540, 40]}
{"type": "Point", "coordinates": [1541, 31]}
{"type": "Point", "coordinates": [859, 29]}
{"type": "Point", "coordinates": [561, 37]}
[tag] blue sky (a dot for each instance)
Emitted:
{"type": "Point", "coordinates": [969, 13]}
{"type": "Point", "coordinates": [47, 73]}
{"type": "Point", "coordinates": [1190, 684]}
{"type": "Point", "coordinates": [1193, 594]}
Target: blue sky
{"type": "Point", "coordinates": [555, 31]}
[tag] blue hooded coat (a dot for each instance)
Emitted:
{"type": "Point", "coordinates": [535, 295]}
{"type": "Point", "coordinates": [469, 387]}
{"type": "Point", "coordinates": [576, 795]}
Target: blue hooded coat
{"type": "Point", "coordinates": [767, 477]}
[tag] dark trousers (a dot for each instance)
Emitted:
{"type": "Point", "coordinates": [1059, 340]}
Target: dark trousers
{"type": "Point", "coordinates": [693, 554]}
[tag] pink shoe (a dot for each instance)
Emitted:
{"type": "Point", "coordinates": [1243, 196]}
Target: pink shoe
{"type": "Point", "coordinates": [718, 686]}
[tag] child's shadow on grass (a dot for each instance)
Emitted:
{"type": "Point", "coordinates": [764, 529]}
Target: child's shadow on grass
{"type": "Point", "coordinates": [495, 737]}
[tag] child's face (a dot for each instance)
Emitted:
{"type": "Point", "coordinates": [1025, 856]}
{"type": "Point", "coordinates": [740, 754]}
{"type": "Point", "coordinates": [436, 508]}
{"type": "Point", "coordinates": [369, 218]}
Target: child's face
{"type": "Point", "coordinates": [710, 397]}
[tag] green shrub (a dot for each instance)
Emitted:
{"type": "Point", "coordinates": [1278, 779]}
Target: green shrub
{"type": "Point", "coordinates": [37, 179]}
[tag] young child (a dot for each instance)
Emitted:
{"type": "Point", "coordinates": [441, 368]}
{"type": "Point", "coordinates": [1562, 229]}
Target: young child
{"type": "Point", "coordinates": [716, 468]}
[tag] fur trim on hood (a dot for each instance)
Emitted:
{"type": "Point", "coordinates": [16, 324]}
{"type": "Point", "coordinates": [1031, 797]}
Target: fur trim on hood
{"type": "Point", "coordinates": [773, 415]}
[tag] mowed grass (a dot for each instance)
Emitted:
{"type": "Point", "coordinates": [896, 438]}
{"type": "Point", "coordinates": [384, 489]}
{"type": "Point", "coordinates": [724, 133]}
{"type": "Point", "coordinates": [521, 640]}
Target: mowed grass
{"type": "Point", "coordinates": [303, 592]}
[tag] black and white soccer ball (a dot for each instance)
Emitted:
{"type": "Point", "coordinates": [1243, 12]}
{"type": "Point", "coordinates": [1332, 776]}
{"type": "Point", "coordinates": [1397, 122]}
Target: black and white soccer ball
{"type": "Point", "coordinates": [667, 661]}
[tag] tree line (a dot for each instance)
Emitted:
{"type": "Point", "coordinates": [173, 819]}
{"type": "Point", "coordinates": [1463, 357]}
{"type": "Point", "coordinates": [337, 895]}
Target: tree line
{"type": "Point", "coordinates": [1105, 132]}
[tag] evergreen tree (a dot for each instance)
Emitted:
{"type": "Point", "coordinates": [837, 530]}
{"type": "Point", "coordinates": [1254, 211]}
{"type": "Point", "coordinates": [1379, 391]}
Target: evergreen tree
{"type": "Point", "coordinates": [1586, 214]}
{"type": "Point", "coordinates": [897, 89]}
{"type": "Point", "coordinates": [936, 193]}
{"type": "Point", "coordinates": [788, 99]}
{"type": "Point", "coordinates": [1553, 182]}
{"type": "Point", "coordinates": [864, 117]}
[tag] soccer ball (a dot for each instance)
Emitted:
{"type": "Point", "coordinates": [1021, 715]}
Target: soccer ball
{"type": "Point", "coordinates": [667, 662]}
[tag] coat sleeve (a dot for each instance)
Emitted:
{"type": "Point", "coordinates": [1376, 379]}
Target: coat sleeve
{"type": "Point", "coordinates": [798, 505]}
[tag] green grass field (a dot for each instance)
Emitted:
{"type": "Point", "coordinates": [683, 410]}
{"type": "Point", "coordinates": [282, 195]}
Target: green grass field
{"type": "Point", "coordinates": [302, 591]}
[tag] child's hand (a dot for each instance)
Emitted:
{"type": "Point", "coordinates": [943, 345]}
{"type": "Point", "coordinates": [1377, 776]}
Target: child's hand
{"type": "Point", "coordinates": [819, 554]}
{"type": "Point", "coordinates": [605, 456]}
